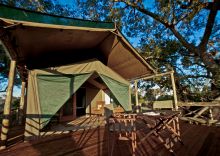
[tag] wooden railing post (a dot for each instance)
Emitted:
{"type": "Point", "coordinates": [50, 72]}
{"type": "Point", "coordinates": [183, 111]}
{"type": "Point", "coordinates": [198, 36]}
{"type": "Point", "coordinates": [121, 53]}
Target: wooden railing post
{"type": "Point", "coordinates": [129, 100]}
{"type": "Point", "coordinates": [174, 91]}
{"type": "Point", "coordinates": [7, 106]}
{"type": "Point", "coordinates": [22, 101]}
{"type": "Point", "coordinates": [136, 96]}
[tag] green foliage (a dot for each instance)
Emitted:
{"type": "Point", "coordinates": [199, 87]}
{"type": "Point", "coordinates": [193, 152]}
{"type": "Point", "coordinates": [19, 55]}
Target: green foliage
{"type": "Point", "coordinates": [16, 103]}
{"type": "Point", "coordinates": [4, 70]}
{"type": "Point", "coordinates": [165, 97]}
{"type": "Point", "coordinates": [4, 62]}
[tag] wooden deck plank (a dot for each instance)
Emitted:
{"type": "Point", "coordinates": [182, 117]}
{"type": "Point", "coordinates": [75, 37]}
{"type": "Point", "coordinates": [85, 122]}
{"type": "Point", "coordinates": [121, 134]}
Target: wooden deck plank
{"type": "Point", "coordinates": [194, 138]}
{"type": "Point", "coordinates": [197, 139]}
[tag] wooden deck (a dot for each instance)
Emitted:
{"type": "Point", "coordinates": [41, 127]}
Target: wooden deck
{"type": "Point", "coordinates": [79, 124]}
{"type": "Point", "coordinates": [198, 140]}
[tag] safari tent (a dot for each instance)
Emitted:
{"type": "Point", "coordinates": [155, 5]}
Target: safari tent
{"type": "Point", "coordinates": [66, 66]}
{"type": "Point", "coordinates": [50, 89]}
{"type": "Point", "coordinates": [58, 56]}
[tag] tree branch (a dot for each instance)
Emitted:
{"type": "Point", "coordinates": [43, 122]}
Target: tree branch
{"type": "Point", "coordinates": [164, 22]}
{"type": "Point", "coordinates": [192, 13]}
{"type": "Point", "coordinates": [209, 27]}
{"type": "Point", "coordinates": [153, 15]}
{"type": "Point", "coordinates": [4, 90]}
{"type": "Point", "coordinates": [173, 20]}
{"type": "Point", "coordinates": [182, 40]}
{"type": "Point", "coordinates": [198, 64]}
{"type": "Point", "coordinates": [193, 76]}
{"type": "Point", "coordinates": [177, 76]}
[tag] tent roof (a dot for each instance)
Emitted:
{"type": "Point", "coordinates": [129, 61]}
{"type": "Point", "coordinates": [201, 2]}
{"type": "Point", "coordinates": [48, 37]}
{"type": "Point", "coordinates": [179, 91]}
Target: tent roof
{"type": "Point", "coordinates": [46, 20]}
{"type": "Point", "coordinates": [37, 40]}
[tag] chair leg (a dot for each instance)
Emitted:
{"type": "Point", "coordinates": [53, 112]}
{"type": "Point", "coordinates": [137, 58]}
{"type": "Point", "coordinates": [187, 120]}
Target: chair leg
{"type": "Point", "coordinates": [113, 144]}
{"type": "Point", "coordinates": [108, 143]}
{"type": "Point", "coordinates": [134, 143]}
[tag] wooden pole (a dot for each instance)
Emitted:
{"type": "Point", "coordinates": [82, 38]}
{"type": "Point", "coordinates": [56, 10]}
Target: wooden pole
{"type": "Point", "coordinates": [22, 100]}
{"type": "Point", "coordinates": [201, 112]}
{"type": "Point", "coordinates": [136, 96]}
{"type": "Point", "coordinates": [174, 91]}
{"type": "Point", "coordinates": [210, 113]}
{"type": "Point", "coordinates": [7, 106]}
{"type": "Point", "coordinates": [129, 100]}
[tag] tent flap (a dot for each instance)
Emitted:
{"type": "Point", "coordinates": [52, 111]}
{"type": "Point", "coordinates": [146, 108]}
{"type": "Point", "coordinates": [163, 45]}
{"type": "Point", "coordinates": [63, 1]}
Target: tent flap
{"type": "Point", "coordinates": [119, 90]}
{"type": "Point", "coordinates": [55, 90]}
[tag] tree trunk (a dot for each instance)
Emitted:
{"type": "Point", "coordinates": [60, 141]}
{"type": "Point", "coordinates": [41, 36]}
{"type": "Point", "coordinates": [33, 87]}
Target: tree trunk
{"type": "Point", "coordinates": [214, 68]}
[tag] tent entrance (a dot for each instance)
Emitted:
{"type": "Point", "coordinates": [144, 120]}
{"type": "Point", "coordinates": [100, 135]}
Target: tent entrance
{"type": "Point", "coordinates": [74, 107]}
{"type": "Point", "coordinates": [67, 112]}
{"type": "Point", "coordinates": [81, 102]}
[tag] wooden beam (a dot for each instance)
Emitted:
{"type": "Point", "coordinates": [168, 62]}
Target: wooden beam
{"type": "Point", "coordinates": [97, 84]}
{"type": "Point", "coordinates": [129, 92]}
{"type": "Point", "coordinates": [22, 101]}
{"type": "Point", "coordinates": [210, 114]}
{"type": "Point", "coordinates": [199, 104]}
{"type": "Point", "coordinates": [155, 75]}
{"type": "Point", "coordinates": [201, 112]}
{"type": "Point", "coordinates": [174, 91]}
{"type": "Point", "coordinates": [171, 73]}
{"type": "Point", "coordinates": [7, 106]}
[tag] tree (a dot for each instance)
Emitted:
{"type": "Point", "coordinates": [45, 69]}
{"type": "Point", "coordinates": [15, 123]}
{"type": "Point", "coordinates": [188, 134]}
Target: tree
{"type": "Point", "coordinates": [4, 70]}
{"type": "Point", "coordinates": [171, 32]}
{"type": "Point", "coordinates": [178, 34]}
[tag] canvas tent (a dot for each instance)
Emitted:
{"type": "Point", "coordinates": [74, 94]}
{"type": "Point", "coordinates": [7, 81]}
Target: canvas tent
{"type": "Point", "coordinates": [49, 89]}
{"type": "Point", "coordinates": [46, 50]}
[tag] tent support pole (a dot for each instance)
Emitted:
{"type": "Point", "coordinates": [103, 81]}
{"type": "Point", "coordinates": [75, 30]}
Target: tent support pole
{"type": "Point", "coordinates": [22, 101]}
{"type": "Point", "coordinates": [130, 96]}
{"type": "Point", "coordinates": [174, 91]}
{"type": "Point", "coordinates": [7, 106]}
{"type": "Point", "coordinates": [136, 96]}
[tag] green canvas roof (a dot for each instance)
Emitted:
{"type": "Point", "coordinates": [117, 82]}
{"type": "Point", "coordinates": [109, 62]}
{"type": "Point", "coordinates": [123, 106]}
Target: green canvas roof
{"type": "Point", "coordinates": [30, 16]}
{"type": "Point", "coordinates": [36, 40]}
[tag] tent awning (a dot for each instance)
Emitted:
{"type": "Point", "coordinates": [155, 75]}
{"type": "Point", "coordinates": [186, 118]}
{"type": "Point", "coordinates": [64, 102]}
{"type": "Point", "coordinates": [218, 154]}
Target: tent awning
{"type": "Point", "coordinates": [37, 40]}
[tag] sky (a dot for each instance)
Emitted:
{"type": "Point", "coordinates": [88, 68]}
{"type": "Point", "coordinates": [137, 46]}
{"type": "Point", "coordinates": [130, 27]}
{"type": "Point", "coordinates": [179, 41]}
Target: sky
{"type": "Point", "coordinates": [66, 2]}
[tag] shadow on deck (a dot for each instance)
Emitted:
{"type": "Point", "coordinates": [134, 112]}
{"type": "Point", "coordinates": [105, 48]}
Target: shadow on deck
{"type": "Point", "coordinates": [198, 140]}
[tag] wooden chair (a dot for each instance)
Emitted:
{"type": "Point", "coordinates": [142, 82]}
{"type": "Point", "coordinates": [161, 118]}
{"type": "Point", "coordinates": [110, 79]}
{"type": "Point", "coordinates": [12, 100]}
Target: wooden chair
{"type": "Point", "coordinates": [99, 109]}
{"type": "Point", "coordinates": [166, 129]}
{"type": "Point", "coordinates": [122, 127]}
{"type": "Point", "coordinates": [118, 109]}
